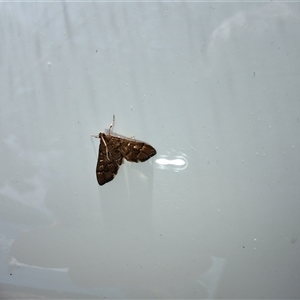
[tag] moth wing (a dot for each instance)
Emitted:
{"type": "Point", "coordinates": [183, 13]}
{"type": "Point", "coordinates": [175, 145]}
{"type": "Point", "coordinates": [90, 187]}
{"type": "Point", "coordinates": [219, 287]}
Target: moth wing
{"type": "Point", "coordinates": [135, 151]}
{"type": "Point", "coordinates": [113, 144]}
{"type": "Point", "coordinates": [111, 152]}
{"type": "Point", "coordinates": [109, 160]}
{"type": "Point", "coordinates": [106, 172]}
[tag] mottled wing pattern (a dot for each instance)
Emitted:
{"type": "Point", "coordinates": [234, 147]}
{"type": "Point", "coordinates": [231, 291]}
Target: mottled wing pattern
{"type": "Point", "coordinates": [111, 152]}
{"type": "Point", "coordinates": [136, 151]}
{"type": "Point", "coordinates": [109, 160]}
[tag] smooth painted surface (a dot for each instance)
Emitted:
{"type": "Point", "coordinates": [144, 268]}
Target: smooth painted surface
{"type": "Point", "coordinates": [214, 87]}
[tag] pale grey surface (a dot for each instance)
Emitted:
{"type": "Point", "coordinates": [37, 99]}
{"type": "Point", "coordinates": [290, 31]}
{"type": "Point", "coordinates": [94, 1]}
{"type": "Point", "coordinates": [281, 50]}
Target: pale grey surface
{"type": "Point", "coordinates": [214, 86]}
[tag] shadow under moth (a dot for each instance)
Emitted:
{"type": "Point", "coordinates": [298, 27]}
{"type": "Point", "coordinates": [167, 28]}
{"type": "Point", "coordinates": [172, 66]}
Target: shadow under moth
{"type": "Point", "coordinates": [113, 149]}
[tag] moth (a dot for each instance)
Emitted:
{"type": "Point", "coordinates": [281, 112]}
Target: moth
{"type": "Point", "coordinates": [113, 149]}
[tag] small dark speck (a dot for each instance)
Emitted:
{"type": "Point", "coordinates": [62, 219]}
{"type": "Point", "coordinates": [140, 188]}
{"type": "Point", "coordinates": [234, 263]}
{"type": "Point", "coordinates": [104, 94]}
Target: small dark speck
{"type": "Point", "coordinates": [253, 74]}
{"type": "Point", "coordinates": [244, 247]}
{"type": "Point", "coordinates": [10, 274]}
{"type": "Point", "coordinates": [96, 50]}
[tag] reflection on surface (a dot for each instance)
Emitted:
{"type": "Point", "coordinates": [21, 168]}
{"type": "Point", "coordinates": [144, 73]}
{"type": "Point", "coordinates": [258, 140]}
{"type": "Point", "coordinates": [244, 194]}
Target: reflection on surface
{"type": "Point", "coordinates": [176, 163]}
{"type": "Point", "coordinates": [110, 242]}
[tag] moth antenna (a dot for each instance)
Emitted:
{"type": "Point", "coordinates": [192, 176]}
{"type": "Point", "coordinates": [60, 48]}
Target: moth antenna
{"type": "Point", "coordinates": [95, 136]}
{"type": "Point", "coordinates": [105, 147]}
{"type": "Point", "coordinates": [111, 125]}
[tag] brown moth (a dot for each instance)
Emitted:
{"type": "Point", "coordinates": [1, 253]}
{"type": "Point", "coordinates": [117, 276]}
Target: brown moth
{"type": "Point", "coordinates": [113, 149]}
